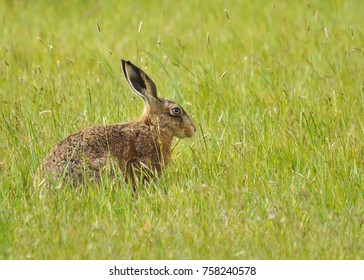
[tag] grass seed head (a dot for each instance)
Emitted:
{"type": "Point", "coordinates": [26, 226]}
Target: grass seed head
{"type": "Point", "coordinates": [226, 14]}
{"type": "Point", "coordinates": [140, 27]}
{"type": "Point", "coordinates": [70, 61]}
{"type": "Point", "coordinates": [98, 26]}
{"type": "Point", "coordinates": [223, 74]}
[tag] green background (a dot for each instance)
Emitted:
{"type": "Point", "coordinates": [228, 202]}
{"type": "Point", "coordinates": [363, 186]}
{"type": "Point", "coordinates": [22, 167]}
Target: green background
{"type": "Point", "coordinates": [276, 89]}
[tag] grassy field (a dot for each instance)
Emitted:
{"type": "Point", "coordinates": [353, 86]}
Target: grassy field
{"type": "Point", "coordinates": [276, 89]}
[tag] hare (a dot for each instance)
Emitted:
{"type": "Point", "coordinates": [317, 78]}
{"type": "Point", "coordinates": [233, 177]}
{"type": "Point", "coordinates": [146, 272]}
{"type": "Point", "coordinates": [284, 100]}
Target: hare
{"type": "Point", "coordinates": [140, 148]}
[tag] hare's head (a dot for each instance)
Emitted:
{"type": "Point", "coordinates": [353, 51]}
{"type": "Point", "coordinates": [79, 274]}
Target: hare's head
{"type": "Point", "coordinates": [170, 117]}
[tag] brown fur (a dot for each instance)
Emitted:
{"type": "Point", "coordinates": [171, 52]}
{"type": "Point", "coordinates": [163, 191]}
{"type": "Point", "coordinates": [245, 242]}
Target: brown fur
{"type": "Point", "coordinates": [141, 149]}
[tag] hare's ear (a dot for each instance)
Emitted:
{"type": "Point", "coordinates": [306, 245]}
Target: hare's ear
{"type": "Point", "coordinates": [139, 82]}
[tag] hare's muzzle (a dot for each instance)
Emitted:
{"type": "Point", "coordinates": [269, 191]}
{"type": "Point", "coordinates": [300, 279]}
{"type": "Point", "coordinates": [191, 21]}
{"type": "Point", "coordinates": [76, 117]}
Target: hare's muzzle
{"type": "Point", "coordinates": [189, 131]}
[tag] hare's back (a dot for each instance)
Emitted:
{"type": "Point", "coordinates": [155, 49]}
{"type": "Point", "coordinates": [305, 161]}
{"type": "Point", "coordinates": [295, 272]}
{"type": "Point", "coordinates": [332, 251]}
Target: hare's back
{"type": "Point", "coordinates": [92, 142]}
{"type": "Point", "coordinates": [120, 140]}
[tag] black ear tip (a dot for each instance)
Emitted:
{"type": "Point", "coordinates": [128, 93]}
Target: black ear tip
{"type": "Point", "coordinates": [123, 61]}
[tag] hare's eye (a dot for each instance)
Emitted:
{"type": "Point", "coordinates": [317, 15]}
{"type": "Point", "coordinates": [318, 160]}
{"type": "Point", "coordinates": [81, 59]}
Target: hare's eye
{"type": "Point", "coordinates": [176, 111]}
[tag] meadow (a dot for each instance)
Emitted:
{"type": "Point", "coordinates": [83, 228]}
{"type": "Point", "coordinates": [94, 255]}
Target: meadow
{"type": "Point", "coordinates": [275, 88]}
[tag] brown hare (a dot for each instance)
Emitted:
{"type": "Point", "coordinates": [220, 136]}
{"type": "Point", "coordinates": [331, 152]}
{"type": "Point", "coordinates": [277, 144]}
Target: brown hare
{"type": "Point", "coordinates": [140, 148]}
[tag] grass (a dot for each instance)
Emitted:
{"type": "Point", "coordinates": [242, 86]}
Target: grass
{"type": "Point", "coordinates": [275, 88]}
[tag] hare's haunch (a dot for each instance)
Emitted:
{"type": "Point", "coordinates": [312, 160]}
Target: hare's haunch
{"type": "Point", "coordinates": [140, 148]}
